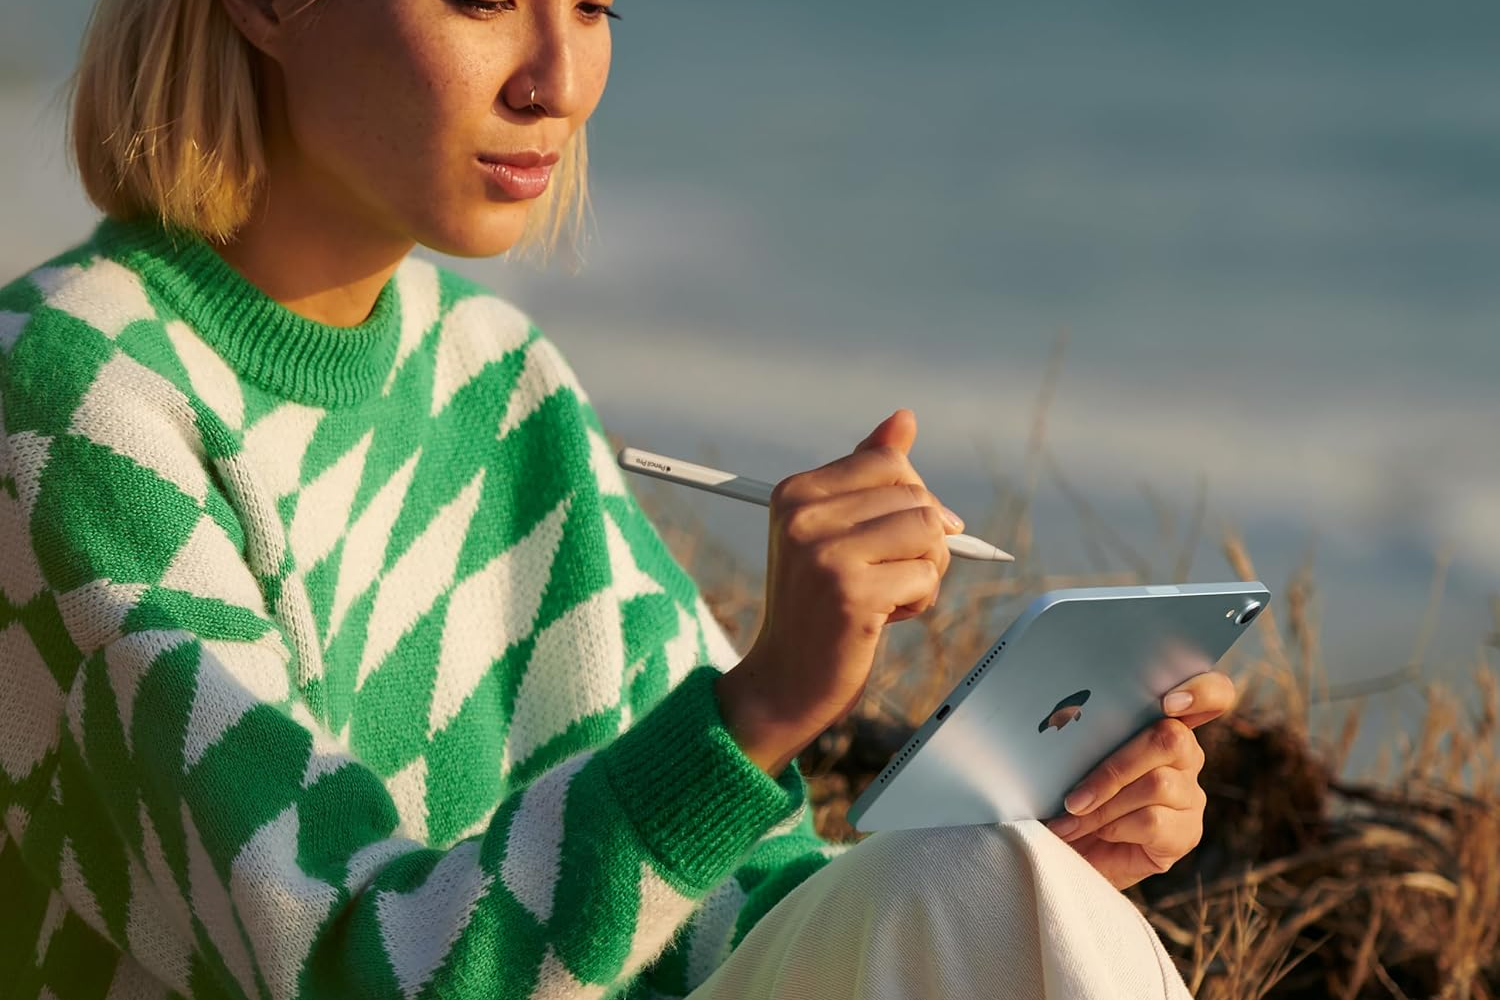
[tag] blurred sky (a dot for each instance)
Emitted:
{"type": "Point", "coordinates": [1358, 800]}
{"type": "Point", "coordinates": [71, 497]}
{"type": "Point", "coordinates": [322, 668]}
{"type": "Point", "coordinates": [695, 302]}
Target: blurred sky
{"type": "Point", "coordinates": [1271, 231]}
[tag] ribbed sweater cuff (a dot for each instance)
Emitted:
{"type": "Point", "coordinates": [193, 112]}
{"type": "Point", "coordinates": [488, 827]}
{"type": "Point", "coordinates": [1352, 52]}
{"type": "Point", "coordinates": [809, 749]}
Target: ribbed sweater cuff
{"type": "Point", "coordinates": [696, 800]}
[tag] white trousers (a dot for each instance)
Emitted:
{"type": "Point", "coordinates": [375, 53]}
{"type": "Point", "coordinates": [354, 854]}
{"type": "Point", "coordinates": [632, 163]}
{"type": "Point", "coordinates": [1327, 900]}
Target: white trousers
{"type": "Point", "coordinates": [994, 911]}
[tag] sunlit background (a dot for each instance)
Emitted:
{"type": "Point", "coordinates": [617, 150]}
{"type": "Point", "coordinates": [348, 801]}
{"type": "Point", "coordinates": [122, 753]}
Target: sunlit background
{"type": "Point", "coordinates": [1270, 231]}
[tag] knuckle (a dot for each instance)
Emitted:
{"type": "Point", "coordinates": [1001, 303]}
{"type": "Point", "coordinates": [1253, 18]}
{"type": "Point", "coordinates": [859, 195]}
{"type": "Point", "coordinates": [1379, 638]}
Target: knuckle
{"type": "Point", "coordinates": [1154, 821]}
{"type": "Point", "coordinates": [783, 492]}
{"type": "Point", "coordinates": [1160, 784]}
{"type": "Point", "coordinates": [849, 607]}
{"type": "Point", "coordinates": [907, 470]}
{"type": "Point", "coordinates": [824, 557]}
{"type": "Point", "coordinates": [1172, 737]}
{"type": "Point", "coordinates": [798, 525]}
{"type": "Point", "coordinates": [900, 468]}
{"type": "Point", "coordinates": [1189, 752]}
{"type": "Point", "coordinates": [931, 519]}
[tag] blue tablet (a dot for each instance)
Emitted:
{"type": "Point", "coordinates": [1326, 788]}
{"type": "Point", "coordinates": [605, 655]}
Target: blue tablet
{"type": "Point", "coordinates": [1077, 675]}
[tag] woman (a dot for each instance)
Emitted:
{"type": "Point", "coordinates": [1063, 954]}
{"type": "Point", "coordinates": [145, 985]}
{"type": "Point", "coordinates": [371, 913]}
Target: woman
{"type": "Point", "coordinates": [339, 660]}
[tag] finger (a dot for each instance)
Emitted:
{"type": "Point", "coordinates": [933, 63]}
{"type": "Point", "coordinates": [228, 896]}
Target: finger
{"type": "Point", "coordinates": [1083, 844]}
{"type": "Point", "coordinates": [1162, 832]}
{"type": "Point", "coordinates": [835, 514]}
{"type": "Point", "coordinates": [890, 524]}
{"type": "Point", "coordinates": [900, 583]}
{"type": "Point", "coordinates": [1166, 742]}
{"type": "Point", "coordinates": [899, 429]}
{"type": "Point", "coordinates": [890, 586]}
{"type": "Point", "coordinates": [877, 465]}
{"type": "Point", "coordinates": [912, 535]}
{"type": "Point", "coordinates": [1166, 786]}
{"type": "Point", "coordinates": [1122, 864]}
{"type": "Point", "coordinates": [1200, 699]}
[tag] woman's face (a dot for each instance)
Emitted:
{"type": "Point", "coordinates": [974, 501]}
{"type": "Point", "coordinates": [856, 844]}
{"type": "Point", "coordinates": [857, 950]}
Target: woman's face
{"type": "Point", "coordinates": [386, 109]}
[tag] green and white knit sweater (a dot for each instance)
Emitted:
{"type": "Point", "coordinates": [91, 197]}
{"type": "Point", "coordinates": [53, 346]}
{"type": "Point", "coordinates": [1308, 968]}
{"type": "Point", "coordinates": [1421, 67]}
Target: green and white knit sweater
{"type": "Point", "coordinates": [343, 662]}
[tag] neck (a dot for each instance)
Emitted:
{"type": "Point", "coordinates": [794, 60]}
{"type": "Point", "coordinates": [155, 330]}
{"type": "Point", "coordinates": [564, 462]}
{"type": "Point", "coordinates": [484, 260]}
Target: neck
{"type": "Point", "coordinates": [305, 249]}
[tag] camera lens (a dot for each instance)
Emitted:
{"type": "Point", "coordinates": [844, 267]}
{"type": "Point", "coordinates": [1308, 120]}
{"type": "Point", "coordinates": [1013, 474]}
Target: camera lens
{"type": "Point", "coordinates": [1248, 615]}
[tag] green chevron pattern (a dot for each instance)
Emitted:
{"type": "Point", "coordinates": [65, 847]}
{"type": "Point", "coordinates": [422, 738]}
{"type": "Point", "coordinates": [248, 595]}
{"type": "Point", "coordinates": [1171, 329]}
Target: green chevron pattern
{"type": "Point", "coordinates": [342, 662]}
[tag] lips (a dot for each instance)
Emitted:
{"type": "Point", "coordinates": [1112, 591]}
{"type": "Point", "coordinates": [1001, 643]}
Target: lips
{"type": "Point", "coordinates": [524, 158]}
{"type": "Point", "coordinates": [519, 183]}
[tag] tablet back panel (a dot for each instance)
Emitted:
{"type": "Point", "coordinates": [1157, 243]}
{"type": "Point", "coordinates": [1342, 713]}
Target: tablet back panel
{"type": "Point", "coordinates": [1075, 677]}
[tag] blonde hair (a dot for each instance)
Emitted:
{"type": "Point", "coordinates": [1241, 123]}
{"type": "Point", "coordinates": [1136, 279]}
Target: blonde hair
{"type": "Point", "coordinates": [165, 121]}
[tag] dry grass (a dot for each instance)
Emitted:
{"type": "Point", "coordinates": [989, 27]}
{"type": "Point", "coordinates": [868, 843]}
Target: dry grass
{"type": "Point", "coordinates": [1306, 883]}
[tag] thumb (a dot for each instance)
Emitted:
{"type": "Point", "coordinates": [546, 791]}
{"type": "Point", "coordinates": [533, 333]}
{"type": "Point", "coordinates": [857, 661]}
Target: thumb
{"type": "Point", "coordinates": [899, 430]}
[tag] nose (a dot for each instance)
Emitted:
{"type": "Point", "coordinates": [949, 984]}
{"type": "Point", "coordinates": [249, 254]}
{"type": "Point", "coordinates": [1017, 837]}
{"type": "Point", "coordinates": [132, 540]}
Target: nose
{"type": "Point", "coordinates": [547, 82]}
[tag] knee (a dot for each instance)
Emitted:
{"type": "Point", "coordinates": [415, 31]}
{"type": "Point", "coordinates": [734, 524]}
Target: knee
{"type": "Point", "coordinates": [908, 863]}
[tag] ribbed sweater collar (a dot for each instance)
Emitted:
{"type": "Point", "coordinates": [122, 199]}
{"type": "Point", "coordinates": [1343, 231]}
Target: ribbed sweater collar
{"type": "Point", "coordinates": [267, 343]}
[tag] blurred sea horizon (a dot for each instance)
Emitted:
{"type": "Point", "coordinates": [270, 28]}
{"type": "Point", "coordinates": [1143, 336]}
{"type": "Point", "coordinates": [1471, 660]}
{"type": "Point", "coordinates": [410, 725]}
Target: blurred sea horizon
{"type": "Point", "coordinates": [1271, 233]}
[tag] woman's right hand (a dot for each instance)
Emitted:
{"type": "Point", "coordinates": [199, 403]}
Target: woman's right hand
{"type": "Point", "coordinates": [853, 545]}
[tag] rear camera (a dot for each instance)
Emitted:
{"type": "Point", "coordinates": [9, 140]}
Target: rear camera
{"type": "Point", "coordinates": [1248, 615]}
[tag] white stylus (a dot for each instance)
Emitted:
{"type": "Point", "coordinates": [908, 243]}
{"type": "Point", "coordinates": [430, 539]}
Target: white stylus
{"type": "Point", "coordinates": [674, 470]}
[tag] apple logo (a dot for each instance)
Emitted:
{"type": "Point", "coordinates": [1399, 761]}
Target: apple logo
{"type": "Point", "coordinates": [1067, 710]}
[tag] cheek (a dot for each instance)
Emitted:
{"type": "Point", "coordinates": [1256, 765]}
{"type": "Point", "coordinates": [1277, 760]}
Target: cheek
{"type": "Point", "coordinates": [597, 70]}
{"type": "Point", "coordinates": [370, 111]}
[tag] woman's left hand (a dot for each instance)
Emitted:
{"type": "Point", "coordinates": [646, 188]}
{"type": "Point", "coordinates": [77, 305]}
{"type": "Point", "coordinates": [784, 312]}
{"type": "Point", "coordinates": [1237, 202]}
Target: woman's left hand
{"type": "Point", "coordinates": [1141, 810]}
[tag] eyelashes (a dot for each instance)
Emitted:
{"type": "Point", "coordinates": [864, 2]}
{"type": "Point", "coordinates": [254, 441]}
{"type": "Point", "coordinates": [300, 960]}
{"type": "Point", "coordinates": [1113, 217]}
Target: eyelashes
{"type": "Point", "coordinates": [488, 8]}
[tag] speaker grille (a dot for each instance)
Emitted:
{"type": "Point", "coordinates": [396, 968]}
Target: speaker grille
{"type": "Point", "coordinates": [974, 674]}
{"type": "Point", "coordinates": [900, 759]}
{"type": "Point", "coordinates": [911, 747]}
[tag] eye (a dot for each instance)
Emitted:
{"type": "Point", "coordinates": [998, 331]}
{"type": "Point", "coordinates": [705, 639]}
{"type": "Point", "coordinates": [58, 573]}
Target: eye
{"type": "Point", "coordinates": [487, 7]}
{"type": "Point", "coordinates": [591, 11]}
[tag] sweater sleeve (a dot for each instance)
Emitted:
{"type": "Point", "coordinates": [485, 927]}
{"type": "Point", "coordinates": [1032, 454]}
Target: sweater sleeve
{"type": "Point", "coordinates": [783, 858]}
{"type": "Point", "coordinates": [183, 800]}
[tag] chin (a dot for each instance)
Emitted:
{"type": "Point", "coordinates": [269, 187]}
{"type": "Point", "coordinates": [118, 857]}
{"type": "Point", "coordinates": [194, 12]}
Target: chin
{"type": "Point", "coordinates": [484, 231]}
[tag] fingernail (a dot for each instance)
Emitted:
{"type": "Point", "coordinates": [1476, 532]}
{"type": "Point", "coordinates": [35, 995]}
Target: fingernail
{"type": "Point", "coordinates": [1176, 702]}
{"type": "Point", "coordinates": [954, 521]}
{"type": "Point", "coordinates": [1064, 825]}
{"type": "Point", "coordinates": [1079, 802]}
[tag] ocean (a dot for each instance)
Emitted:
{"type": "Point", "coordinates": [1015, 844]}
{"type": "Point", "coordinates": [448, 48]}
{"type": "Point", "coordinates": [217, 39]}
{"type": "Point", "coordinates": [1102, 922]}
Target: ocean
{"type": "Point", "coordinates": [1269, 234]}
